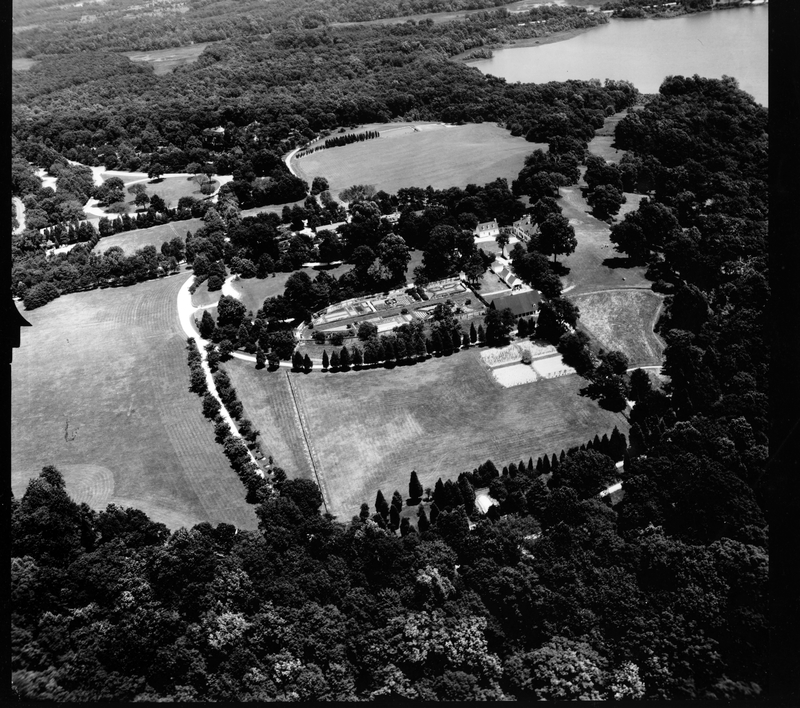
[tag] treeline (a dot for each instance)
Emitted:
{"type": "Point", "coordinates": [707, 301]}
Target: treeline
{"type": "Point", "coordinates": [518, 489]}
{"type": "Point", "coordinates": [655, 8]}
{"type": "Point", "coordinates": [42, 279]}
{"type": "Point", "coordinates": [341, 140]}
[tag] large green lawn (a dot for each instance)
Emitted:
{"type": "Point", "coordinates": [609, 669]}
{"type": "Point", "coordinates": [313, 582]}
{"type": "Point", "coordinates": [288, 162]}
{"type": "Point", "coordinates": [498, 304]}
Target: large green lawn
{"type": "Point", "coordinates": [131, 241]}
{"type": "Point", "coordinates": [369, 429]}
{"type": "Point", "coordinates": [435, 154]}
{"type": "Point", "coordinates": [100, 389]}
{"type": "Point", "coordinates": [594, 265]}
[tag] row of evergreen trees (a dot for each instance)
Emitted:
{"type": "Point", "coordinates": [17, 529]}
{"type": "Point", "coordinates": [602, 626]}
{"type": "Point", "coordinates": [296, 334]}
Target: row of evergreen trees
{"type": "Point", "coordinates": [397, 349]}
{"type": "Point", "coordinates": [340, 141]}
{"type": "Point", "coordinates": [448, 494]}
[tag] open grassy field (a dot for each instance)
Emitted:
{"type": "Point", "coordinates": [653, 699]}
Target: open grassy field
{"type": "Point", "coordinates": [268, 402]}
{"type": "Point", "coordinates": [603, 139]}
{"type": "Point", "coordinates": [254, 290]}
{"type": "Point", "coordinates": [165, 60]}
{"type": "Point", "coordinates": [369, 429]}
{"type": "Point", "coordinates": [609, 317]}
{"type": "Point", "coordinates": [587, 270]}
{"type": "Point", "coordinates": [22, 64]}
{"type": "Point", "coordinates": [125, 176]}
{"type": "Point", "coordinates": [130, 241]}
{"type": "Point", "coordinates": [171, 189]}
{"type": "Point", "coordinates": [435, 154]}
{"type": "Point", "coordinates": [100, 389]}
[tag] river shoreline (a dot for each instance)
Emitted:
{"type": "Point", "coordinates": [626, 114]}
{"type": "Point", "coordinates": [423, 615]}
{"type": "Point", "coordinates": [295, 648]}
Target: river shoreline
{"type": "Point", "coordinates": [467, 58]}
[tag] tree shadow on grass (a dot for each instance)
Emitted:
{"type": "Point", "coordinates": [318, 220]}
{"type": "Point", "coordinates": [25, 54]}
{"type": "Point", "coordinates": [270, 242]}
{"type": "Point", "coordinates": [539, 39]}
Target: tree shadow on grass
{"type": "Point", "coordinates": [620, 262]}
{"type": "Point", "coordinates": [559, 269]}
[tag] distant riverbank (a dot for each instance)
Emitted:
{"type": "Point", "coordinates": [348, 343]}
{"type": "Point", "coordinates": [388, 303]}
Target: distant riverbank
{"type": "Point", "coordinates": [645, 51]}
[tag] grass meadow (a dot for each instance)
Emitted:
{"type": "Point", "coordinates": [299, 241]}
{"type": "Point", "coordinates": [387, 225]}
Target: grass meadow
{"type": "Point", "coordinates": [594, 265]}
{"type": "Point", "coordinates": [100, 389]}
{"type": "Point", "coordinates": [437, 155]}
{"type": "Point", "coordinates": [171, 189]}
{"type": "Point", "coordinates": [130, 241]}
{"type": "Point", "coordinates": [608, 317]}
{"type": "Point", "coordinates": [369, 429]}
{"type": "Point", "coordinates": [165, 60]}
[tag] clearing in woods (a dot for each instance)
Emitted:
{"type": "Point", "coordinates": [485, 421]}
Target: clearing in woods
{"type": "Point", "coordinates": [100, 390]}
{"type": "Point", "coordinates": [369, 429]}
{"type": "Point", "coordinates": [171, 189]}
{"type": "Point", "coordinates": [165, 60]}
{"type": "Point", "coordinates": [418, 155]}
{"type": "Point", "coordinates": [131, 241]}
{"type": "Point", "coordinates": [609, 316]}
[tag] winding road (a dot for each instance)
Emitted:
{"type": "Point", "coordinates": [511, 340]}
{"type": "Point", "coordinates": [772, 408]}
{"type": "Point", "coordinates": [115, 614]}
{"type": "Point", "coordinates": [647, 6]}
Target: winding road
{"type": "Point", "coordinates": [186, 312]}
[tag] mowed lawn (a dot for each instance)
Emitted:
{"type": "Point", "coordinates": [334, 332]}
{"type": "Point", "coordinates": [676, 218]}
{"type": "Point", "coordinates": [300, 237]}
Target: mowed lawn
{"type": "Point", "coordinates": [590, 266]}
{"type": "Point", "coordinates": [369, 429]}
{"type": "Point", "coordinates": [131, 241]}
{"type": "Point", "coordinates": [437, 155]}
{"type": "Point", "coordinates": [268, 403]}
{"type": "Point", "coordinates": [624, 320]}
{"type": "Point", "coordinates": [171, 189]}
{"type": "Point", "coordinates": [100, 389]}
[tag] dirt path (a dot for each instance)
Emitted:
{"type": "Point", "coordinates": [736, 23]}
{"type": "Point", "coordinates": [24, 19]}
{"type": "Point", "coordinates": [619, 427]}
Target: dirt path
{"type": "Point", "coordinates": [20, 214]}
{"type": "Point", "coordinates": [186, 313]}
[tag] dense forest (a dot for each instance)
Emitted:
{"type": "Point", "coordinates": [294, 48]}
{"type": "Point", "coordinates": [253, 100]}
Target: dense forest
{"type": "Point", "coordinates": [57, 30]}
{"type": "Point", "coordinates": [556, 594]}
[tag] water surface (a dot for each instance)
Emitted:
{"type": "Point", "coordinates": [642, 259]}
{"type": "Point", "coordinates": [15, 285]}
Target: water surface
{"type": "Point", "coordinates": [731, 42]}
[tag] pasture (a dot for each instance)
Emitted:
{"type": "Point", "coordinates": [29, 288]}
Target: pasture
{"type": "Point", "coordinates": [130, 241]}
{"type": "Point", "coordinates": [624, 320]}
{"type": "Point", "coordinates": [100, 390]}
{"type": "Point", "coordinates": [369, 429]}
{"type": "Point", "coordinates": [164, 61]}
{"type": "Point", "coordinates": [419, 155]}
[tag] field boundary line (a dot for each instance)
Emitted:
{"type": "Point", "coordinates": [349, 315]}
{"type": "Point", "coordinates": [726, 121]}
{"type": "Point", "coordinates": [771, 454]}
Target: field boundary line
{"type": "Point", "coordinates": [301, 420]}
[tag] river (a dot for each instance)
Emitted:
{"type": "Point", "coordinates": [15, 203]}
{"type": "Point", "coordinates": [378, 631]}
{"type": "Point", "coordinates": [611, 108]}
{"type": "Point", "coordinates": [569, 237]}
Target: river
{"type": "Point", "coordinates": [731, 42]}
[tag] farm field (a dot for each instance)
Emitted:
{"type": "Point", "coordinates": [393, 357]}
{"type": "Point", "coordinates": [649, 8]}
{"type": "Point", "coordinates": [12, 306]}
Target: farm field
{"type": "Point", "coordinates": [609, 316]}
{"type": "Point", "coordinates": [100, 390]}
{"type": "Point", "coordinates": [130, 241]}
{"type": "Point", "coordinates": [165, 60]}
{"type": "Point", "coordinates": [437, 155]}
{"type": "Point", "coordinates": [369, 429]}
